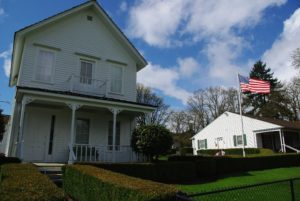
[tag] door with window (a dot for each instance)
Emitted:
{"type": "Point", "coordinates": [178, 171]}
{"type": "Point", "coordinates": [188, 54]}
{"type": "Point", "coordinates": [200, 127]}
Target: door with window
{"type": "Point", "coordinates": [110, 136]}
{"type": "Point", "coordinates": [85, 81]}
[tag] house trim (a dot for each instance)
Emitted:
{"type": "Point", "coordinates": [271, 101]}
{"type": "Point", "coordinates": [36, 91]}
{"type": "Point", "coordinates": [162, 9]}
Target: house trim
{"type": "Point", "coordinates": [46, 46]}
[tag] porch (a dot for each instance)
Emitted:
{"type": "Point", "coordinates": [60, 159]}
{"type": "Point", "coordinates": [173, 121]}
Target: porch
{"type": "Point", "coordinates": [71, 129]}
{"type": "Point", "coordinates": [279, 140]}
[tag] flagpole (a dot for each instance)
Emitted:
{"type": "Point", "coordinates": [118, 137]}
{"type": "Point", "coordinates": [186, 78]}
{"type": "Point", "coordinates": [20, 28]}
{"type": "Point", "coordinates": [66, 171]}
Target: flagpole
{"type": "Point", "coordinates": [241, 115]}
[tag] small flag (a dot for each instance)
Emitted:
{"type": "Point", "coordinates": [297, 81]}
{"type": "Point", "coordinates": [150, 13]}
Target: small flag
{"type": "Point", "coordinates": [259, 86]}
{"type": "Point", "coordinates": [244, 83]}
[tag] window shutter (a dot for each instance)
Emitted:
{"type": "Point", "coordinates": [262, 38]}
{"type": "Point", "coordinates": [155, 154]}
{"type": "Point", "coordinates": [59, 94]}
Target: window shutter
{"type": "Point", "coordinates": [245, 139]}
{"type": "Point", "coordinates": [205, 143]}
{"type": "Point", "coordinates": [234, 140]}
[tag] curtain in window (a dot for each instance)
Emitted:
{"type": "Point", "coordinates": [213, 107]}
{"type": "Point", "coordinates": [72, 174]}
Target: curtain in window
{"type": "Point", "coordinates": [45, 66]}
{"type": "Point", "coordinates": [116, 79]}
{"type": "Point", "coordinates": [82, 131]}
{"type": "Point", "coordinates": [86, 72]}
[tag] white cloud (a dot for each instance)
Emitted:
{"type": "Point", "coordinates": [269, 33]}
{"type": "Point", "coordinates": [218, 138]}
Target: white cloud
{"type": "Point", "coordinates": [2, 11]}
{"type": "Point", "coordinates": [6, 57]}
{"type": "Point", "coordinates": [165, 80]}
{"type": "Point", "coordinates": [278, 57]}
{"type": "Point", "coordinates": [155, 21]}
{"type": "Point", "coordinates": [188, 66]}
{"type": "Point", "coordinates": [123, 6]}
{"type": "Point", "coordinates": [217, 24]}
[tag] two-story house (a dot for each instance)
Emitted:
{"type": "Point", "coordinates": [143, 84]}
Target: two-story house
{"type": "Point", "coordinates": [75, 78]}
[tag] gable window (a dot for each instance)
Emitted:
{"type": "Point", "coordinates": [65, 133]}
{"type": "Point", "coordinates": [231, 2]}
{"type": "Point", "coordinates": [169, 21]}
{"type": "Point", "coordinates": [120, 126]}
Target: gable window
{"type": "Point", "coordinates": [202, 144]}
{"type": "Point", "coordinates": [238, 140]}
{"type": "Point", "coordinates": [82, 131]}
{"type": "Point", "coordinates": [116, 82]}
{"type": "Point", "coordinates": [45, 66]}
{"type": "Point", "coordinates": [86, 72]}
{"type": "Point", "coordinates": [110, 135]}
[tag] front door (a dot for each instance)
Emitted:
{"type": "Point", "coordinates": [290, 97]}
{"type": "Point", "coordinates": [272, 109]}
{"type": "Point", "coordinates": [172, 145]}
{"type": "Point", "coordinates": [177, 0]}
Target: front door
{"type": "Point", "coordinates": [50, 140]}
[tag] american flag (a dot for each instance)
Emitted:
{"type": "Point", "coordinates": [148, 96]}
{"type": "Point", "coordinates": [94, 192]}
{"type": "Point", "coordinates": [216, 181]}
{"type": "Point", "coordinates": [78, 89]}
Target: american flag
{"type": "Point", "coordinates": [254, 85]}
{"type": "Point", "coordinates": [259, 86]}
{"type": "Point", "coordinates": [244, 83]}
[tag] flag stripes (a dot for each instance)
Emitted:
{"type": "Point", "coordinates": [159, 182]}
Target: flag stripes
{"type": "Point", "coordinates": [254, 85]}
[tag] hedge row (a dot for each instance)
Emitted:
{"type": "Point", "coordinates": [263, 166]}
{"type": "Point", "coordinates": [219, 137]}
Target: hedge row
{"type": "Point", "coordinates": [236, 151]}
{"type": "Point", "coordinates": [88, 183]}
{"type": "Point", "coordinates": [164, 171]}
{"type": "Point", "coordinates": [4, 160]}
{"type": "Point", "coordinates": [210, 167]}
{"type": "Point", "coordinates": [24, 182]}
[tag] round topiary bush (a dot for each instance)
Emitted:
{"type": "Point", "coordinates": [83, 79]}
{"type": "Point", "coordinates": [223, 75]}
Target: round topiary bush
{"type": "Point", "coordinates": [151, 140]}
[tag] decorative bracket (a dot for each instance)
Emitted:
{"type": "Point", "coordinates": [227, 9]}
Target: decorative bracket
{"type": "Point", "coordinates": [74, 106]}
{"type": "Point", "coordinates": [115, 111]}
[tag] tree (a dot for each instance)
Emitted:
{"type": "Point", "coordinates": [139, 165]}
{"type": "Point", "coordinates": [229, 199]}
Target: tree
{"type": "Point", "coordinates": [273, 105]}
{"type": "Point", "coordinates": [293, 94]}
{"type": "Point", "coordinates": [151, 140]}
{"type": "Point", "coordinates": [2, 125]}
{"type": "Point", "coordinates": [160, 115]}
{"type": "Point", "coordinates": [296, 58]}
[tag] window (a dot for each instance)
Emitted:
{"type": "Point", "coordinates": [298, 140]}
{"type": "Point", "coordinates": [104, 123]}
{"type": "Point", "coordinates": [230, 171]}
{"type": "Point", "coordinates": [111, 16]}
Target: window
{"type": "Point", "coordinates": [86, 75]}
{"type": "Point", "coordinates": [202, 144]}
{"type": "Point", "coordinates": [82, 131]}
{"type": "Point", "coordinates": [238, 140]}
{"type": "Point", "coordinates": [116, 79]}
{"type": "Point", "coordinates": [110, 135]}
{"type": "Point", "coordinates": [50, 147]}
{"type": "Point", "coordinates": [45, 65]}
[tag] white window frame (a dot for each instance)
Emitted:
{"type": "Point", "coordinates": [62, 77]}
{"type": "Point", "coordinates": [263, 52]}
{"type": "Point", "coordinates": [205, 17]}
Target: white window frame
{"type": "Point", "coordinates": [122, 81]}
{"type": "Point", "coordinates": [201, 144]}
{"type": "Point", "coordinates": [93, 62]}
{"type": "Point", "coordinates": [36, 65]}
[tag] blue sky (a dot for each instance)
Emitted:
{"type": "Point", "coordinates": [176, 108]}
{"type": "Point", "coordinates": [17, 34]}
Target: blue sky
{"type": "Point", "coordinates": [189, 44]}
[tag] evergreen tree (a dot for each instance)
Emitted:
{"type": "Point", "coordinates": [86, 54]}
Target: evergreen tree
{"type": "Point", "coordinates": [273, 105]}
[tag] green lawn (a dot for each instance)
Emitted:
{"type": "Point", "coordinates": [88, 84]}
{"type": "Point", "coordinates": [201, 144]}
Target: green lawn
{"type": "Point", "coordinates": [273, 192]}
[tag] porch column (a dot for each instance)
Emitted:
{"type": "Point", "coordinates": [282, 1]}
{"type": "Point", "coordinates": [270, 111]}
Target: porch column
{"type": "Point", "coordinates": [25, 101]}
{"type": "Point", "coordinates": [115, 112]}
{"type": "Point", "coordinates": [281, 141]}
{"type": "Point", "coordinates": [73, 107]}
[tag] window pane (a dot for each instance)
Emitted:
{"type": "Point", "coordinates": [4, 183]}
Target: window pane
{"type": "Point", "coordinates": [45, 65]}
{"type": "Point", "coordinates": [116, 79]}
{"type": "Point", "coordinates": [86, 71]}
{"type": "Point", "coordinates": [82, 131]}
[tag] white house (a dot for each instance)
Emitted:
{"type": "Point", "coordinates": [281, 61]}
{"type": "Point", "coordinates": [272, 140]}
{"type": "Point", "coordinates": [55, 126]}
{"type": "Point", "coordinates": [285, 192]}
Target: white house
{"type": "Point", "coordinates": [225, 132]}
{"type": "Point", "coordinates": [75, 79]}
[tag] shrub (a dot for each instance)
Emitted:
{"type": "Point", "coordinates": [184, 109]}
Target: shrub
{"type": "Point", "coordinates": [87, 183]}
{"type": "Point", "coordinates": [24, 182]}
{"type": "Point", "coordinates": [236, 151]}
{"type": "Point", "coordinates": [151, 140]}
{"type": "Point", "coordinates": [165, 171]}
{"type": "Point", "coordinates": [4, 160]}
{"type": "Point", "coordinates": [186, 151]}
{"type": "Point", "coordinates": [218, 166]}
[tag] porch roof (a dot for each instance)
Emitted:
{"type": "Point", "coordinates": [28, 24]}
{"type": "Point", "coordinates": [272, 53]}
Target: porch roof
{"type": "Point", "coordinates": [104, 100]}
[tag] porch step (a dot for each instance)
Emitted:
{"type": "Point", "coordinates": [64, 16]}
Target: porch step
{"type": "Point", "coordinates": [52, 170]}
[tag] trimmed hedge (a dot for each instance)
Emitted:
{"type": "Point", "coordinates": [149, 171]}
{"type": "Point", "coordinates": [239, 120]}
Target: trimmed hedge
{"type": "Point", "coordinates": [4, 160]}
{"type": "Point", "coordinates": [210, 167]}
{"type": "Point", "coordinates": [236, 151]}
{"type": "Point", "coordinates": [186, 151]}
{"type": "Point", "coordinates": [88, 183]}
{"type": "Point", "coordinates": [164, 171]}
{"type": "Point", "coordinates": [24, 182]}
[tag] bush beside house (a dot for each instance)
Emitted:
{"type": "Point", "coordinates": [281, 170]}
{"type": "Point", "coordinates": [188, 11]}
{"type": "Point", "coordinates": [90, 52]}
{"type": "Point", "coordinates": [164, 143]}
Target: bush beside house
{"type": "Point", "coordinates": [24, 182]}
{"type": "Point", "coordinates": [88, 183]}
{"type": "Point", "coordinates": [236, 151]}
{"type": "Point", "coordinates": [4, 159]}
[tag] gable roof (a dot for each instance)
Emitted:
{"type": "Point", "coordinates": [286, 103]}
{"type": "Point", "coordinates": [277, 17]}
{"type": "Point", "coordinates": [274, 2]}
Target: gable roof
{"type": "Point", "coordinates": [252, 122]}
{"type": "Point", "coordinates": [19, 37]}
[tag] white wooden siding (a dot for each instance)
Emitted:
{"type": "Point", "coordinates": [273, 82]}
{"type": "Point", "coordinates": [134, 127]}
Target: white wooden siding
{"type": "Point", "coordinates": [37, 132]}
{"type": "Point", "coordinates": [76, 34]}
{"type": "Point", "coordinates": [229, 124]}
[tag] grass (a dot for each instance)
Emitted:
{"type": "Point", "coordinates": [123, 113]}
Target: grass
{"type": "Point", "coordinates": [272, 192]}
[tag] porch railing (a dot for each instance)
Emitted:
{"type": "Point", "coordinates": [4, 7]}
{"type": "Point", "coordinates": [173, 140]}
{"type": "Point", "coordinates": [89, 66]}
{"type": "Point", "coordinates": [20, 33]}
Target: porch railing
{"type": "Point", "coordinates": [87, 85]}
{"type": "Point", "coordinates": [100, 153]}
{"type": "Point", "coordinates": [292, 148]}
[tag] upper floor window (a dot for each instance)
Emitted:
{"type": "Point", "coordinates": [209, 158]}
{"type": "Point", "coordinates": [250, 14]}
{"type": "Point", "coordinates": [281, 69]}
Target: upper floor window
{"type": "Point", "coordinates": [86, 72]}
{"type": "Point", "coordinates": [45, 65]}
{"type": "Point", "coordinates": [116, 82]}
